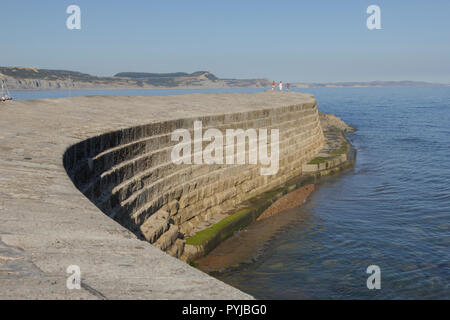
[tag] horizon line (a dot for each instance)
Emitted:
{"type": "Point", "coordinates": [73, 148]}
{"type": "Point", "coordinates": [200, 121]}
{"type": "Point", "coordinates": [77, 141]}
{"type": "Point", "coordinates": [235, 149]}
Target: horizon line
{"type": "Point", "coordinates": [228, 78]}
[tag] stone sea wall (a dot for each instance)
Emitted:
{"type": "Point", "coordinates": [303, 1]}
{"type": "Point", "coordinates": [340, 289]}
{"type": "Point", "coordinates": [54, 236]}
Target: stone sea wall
{"type": "Point", "coordinates": [129, 175]}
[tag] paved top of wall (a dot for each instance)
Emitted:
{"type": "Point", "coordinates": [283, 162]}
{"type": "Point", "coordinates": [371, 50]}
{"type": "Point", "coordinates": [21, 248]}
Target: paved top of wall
{"type": "Point", "coordinates": [46, 224]}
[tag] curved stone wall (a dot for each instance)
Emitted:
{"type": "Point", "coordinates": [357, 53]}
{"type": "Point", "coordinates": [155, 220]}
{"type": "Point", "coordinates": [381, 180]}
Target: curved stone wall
{"type": "Point", "coordinates": [129, 175]}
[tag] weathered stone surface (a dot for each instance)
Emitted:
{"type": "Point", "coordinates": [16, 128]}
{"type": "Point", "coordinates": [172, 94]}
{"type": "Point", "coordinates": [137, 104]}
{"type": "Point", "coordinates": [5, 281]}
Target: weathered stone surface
{"type": "Point", "coordinates": [168, 238]}
{"type": "Point", "coordinates": [191, 252]}
{"type": "Point", "coordinates": [329, 120]}
{"type": "Point", "coordinates": [336, 151]}
{"type": "Point", "coordinates": [173, 207]}
{"type": "Point", "coordinates": [177, 248]}
{"type": "Point", "coordinates": [155, 226]}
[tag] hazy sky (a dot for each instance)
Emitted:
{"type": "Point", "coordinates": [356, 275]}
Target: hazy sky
{"type": "Point", "coordinates": [304, 41]}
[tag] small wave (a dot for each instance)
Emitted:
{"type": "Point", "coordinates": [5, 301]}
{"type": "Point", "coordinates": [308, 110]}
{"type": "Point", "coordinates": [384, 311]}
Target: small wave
{"type": "Point", "coordinates": [411, 139]}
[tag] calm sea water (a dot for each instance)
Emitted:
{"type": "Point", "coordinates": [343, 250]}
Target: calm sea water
{"type": "Point", "coordinates": [392, 210]}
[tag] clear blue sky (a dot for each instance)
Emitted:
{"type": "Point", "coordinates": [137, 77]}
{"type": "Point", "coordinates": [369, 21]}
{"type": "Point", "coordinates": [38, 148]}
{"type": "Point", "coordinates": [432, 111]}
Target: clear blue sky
{"type": "Point", "coordinates": [310, 41]}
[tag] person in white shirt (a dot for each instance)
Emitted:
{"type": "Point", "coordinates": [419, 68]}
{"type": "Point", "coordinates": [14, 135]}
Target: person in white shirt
{"type": "Point", "coordinates": [281, 86]}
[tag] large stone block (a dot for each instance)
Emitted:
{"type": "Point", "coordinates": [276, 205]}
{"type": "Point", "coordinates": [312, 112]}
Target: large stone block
{"type": "Point", "coordinates": [168, 238]}
{"type": "Point", "coordinates": [155, 226]}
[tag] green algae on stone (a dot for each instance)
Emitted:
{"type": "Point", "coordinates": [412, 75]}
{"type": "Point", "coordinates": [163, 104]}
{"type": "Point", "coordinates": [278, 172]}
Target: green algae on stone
{"type": "Point", "coordinates": [220, 230]}
{"type": "Point", "coordinates": [318, 160]}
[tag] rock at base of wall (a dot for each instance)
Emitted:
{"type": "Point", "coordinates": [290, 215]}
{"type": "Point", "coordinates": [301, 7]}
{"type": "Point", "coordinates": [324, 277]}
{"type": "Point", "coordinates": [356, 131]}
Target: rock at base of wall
{"type": "Point", "coordinates": [177, 249]}
{"type": "Point", "coordinates": [155, 226]}
{"type": "Point", "coordinates": [168, 238]}
{"type": "Point", "coordinates": [289, 201]}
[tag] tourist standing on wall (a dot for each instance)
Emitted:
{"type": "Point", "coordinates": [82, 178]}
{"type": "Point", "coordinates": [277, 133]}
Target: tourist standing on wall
{"type": "Point", "coordinates": [273, 85]}
{"type": "Point", "coordinates": [281, 86]}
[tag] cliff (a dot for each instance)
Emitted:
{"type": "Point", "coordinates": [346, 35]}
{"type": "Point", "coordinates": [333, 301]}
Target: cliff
{"type": "Point", "coordinates": [43, 79]}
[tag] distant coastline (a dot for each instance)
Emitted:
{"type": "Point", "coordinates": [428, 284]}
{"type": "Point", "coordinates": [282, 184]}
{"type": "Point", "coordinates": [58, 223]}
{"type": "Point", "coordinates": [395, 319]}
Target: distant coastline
{"type": "Point", "coordinates": [21, 78]}
{"type": "Point", "coordinates": [26, 78]}
{"type": "Point", "coordinates": [370, 84]}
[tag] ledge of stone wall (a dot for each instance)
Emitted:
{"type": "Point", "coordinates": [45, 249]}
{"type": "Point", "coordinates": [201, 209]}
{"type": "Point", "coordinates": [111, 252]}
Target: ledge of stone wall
{"type": "Point", "coordinates": [128, 174]}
